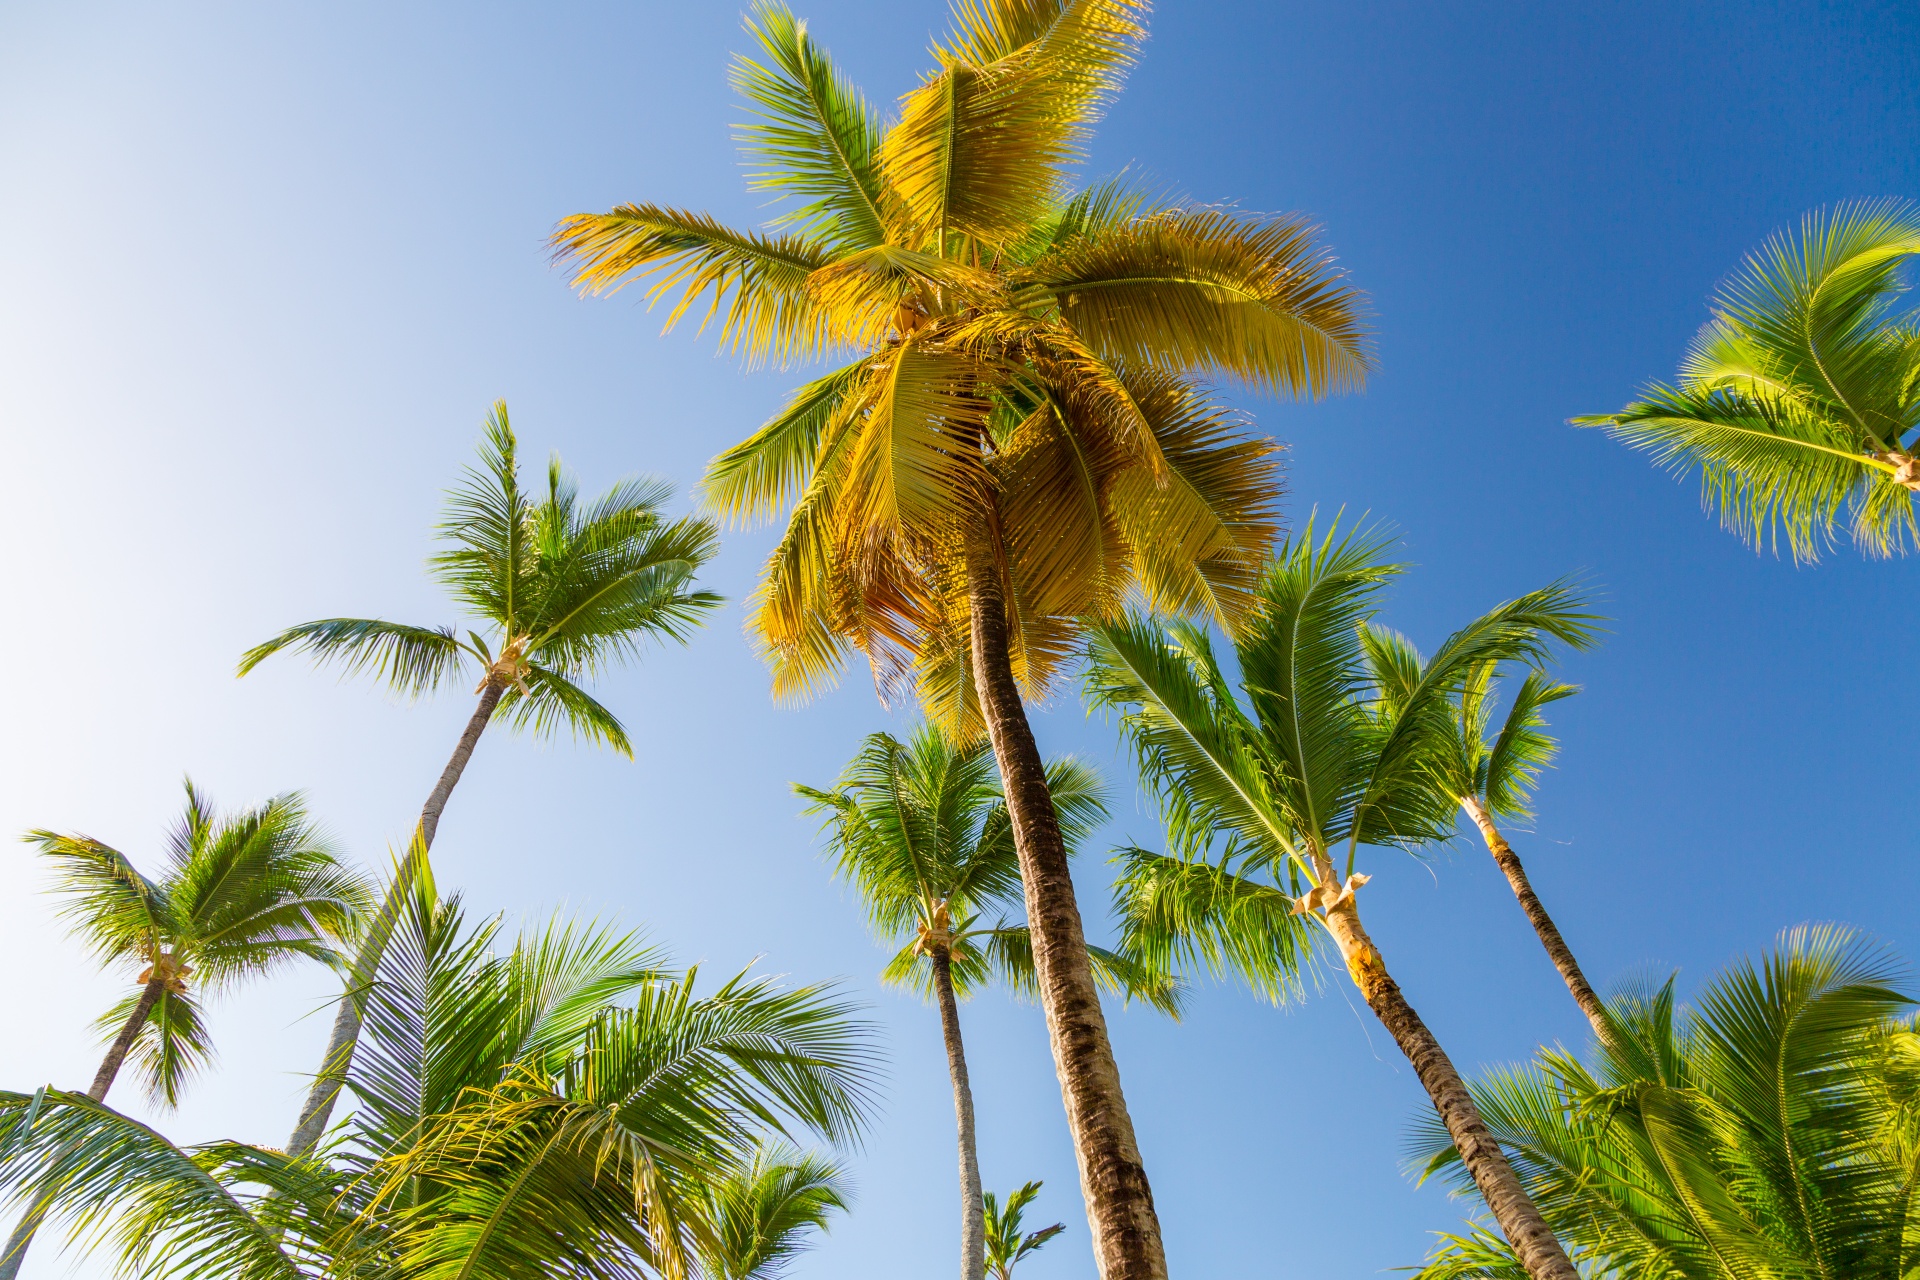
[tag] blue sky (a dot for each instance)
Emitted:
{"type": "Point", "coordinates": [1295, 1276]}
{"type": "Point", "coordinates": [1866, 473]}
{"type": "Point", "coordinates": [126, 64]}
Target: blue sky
{"type": "Point", "coordinates": [263, 268]}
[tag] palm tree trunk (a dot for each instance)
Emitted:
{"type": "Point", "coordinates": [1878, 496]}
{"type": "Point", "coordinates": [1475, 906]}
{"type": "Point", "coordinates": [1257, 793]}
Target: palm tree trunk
{"type": "Point", "coordinates": [1126, 1231]}
{"type": "Point", "coordinates": [1557, 949]}
{"type": "Point", "coordinates": [318, 1108]}
{"type": "Point", "coordinates": [1519, 1218]}
{"type": "Point", "coordinates": [23, 1231]}
{"type": "Point", "coordinates": [973, 1208]}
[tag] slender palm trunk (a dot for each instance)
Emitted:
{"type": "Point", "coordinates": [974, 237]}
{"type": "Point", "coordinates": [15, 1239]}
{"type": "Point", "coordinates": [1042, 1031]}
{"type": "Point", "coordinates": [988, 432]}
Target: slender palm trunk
{"type": "Point", "coordinates": [1126, 1231]}
{"type": "Point", "coordinates": [318, 1108]}
{"type": "Point", "coordinates": [1519, 1218]}
{"type": "Point", "coordinates": [23, 1231]}
{"type": "Point", "coordinates": [1557, 949]}
{"type": "Point", "coordinates": [973, 1208]}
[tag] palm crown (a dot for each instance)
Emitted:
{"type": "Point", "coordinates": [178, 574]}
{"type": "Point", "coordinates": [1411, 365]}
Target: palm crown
{"type": "Point", "coordinates": [1767, 1131]}
{"type": "Point", "coordinates": [761, 1214]}
{"type": "Point", "coordinates": [921, 828]}
{"type": "Point", "coordinates": [240, 896]}
{"type": "Point", "coordinates": [563, 587]}
{"type": "Point", "coordinates": [1800, 399]}
{"type": "Point", "coordinates": [1494, 758]}
{"type": "Point", "coordinates": [1007, 1244]}
{"type": "Point", "coordinates": [1020, 396]}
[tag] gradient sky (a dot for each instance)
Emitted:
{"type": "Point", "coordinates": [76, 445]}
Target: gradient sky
{"type": "Point", "coordinates": [264, 267]}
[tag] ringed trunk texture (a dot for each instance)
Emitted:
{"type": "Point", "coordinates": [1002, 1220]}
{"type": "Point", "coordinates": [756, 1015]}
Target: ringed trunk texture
{"type": "Point", "coordinates": [338, 1057]}
{"type": "Point", "coordinates": [973, 1208]}
{"type": "Point", "coordinates": [1519, 1218]}
{"type": "Point", "coordinates": [1557, 949]}
{"type": "Point", "coordinates": [1126, 1231]}
{"type": "Point", "coordinates": [29, 1224]}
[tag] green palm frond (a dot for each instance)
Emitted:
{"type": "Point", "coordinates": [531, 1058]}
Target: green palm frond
{"type": "Point", "coordinates": [118, 912]}
{"type": "Point", "coordinates": [815, 139]}
{"type": "Point", "coordinates": [1007, 1242]}
{"type": "Point", "coordinates": [172, 1047]}
{"type": "Point", "coordinates": [410, 660]}
{"type": "Point", "coordinates": [553, 702]}
{"type": "Point", "coordinates": [1007, 952]}
{"type": "Point", "coordinates": [1745, 1136]}
{"type": "Point", "coordinates": [1179, 915]}
{"type": "Point", "coordinates": [759, 1215]}
{"type": "Point", "coordinates": [1522, 748]}
{"type": "Point", "coordinates": [1800, 399]}
{"type": "Point", "coordinates": [122, 1186]}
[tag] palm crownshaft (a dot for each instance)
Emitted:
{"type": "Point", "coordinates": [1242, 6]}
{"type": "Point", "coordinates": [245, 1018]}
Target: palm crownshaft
{"type": "Point", "coordinates": [1019, 438]}
{"type": "Point", "coordinates": [924, 832]}
{"type": "Point", "coordinates": [566, 589]}
{"type": "Point", "coordinates": [241, 896]}
{"type": "Point", "coordinates": [1800, 400]}
{"type": "Point", "coordinates": [1330, 744]}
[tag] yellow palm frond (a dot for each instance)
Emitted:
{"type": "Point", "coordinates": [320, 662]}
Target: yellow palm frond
{"type": "Point", "coordinates": [758, 477]}
{"type": "Point", "coordinates": [916, 460]}
{"type": "Point", "coordinates": [982, 144]}
{"type": "Point", "coordinates": [761, 280]}
{"type": "Point", "coordinates": [1210, 291]}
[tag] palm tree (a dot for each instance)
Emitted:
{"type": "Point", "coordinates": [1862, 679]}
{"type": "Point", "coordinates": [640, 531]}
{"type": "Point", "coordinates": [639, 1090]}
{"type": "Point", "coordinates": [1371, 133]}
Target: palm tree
{"type": "Point", "coordinates": [1489, 768]}
{"type": "Point", "coordinates": [1006, 1245]}
{"type": "Point", "coordinates": [1801, 397]}
{"type": "Point", "coordinates": [760, 1214]}
{"type": "Point", "coordinates": [1324, 746]}
{"type": "Point", "coordinates": [564, 590]}
{"type": "Point", "coordinates": [922, 829]}
{"type": "Point", "coordinates": [562, 1107]}
{"type": "Point", "coordinates": [1770, 1132]}
{"type": "Point", "coordinates": [241, 896]}
{"type": "Point", "coordinates": [1017, 437]}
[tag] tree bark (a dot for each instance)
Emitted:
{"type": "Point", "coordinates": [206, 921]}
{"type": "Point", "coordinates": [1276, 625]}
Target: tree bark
{"type": "Point", "coordinates": [1549, 933]}
{"type": "Point", "coordinates": [29, 1224]}
{"type": "Point", "coordinates": [1126, 1231]}
{"type": "Point", "coordinates": [318, 1108]}
{"type": "Point", "coordinates": [1519, 1218]}
{"type": "Point", "coordinates": [973, 1208]}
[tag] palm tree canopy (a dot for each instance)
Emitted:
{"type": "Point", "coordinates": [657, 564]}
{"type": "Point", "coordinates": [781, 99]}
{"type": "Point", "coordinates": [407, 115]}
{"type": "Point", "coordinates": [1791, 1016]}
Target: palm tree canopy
{"type": "Point", "coordinates": [1772, 1130]}
{"type": "Point", "coordinates": [1493, 758]}
{"type": "Point", "coordinates": [1020, 359]}
{"type": "Point", "coordinates": [762, 1213]}
{"type": "Point", "coordinates": [1007, 1244]}
{"type": "Point", "coordinates": [921, 829]}
{"type": "Point", "coordinates": [1332, 739]}
{"type": "Point", "coordinates": [559, 1107]}
{"type": "Point", "coordinates": [1800, 399]}
{"type": "Point", "coordinates": [239, 896]}
{"type": "Point", "coordinates": [563, 588]}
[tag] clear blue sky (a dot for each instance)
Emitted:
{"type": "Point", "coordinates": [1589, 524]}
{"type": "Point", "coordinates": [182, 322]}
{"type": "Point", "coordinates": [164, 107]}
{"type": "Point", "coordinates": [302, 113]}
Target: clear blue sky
{"type": "Point", "coordinates": [263, 268]}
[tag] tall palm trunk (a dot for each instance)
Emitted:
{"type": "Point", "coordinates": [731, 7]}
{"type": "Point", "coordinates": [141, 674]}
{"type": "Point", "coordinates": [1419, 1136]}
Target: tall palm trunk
{"type": "Point", "coordinates": [1519, 1218]}
{"type": "Point", "coordinates": [1126, 1231]}
{"type": "Point", "coordinates": [973, 1208]}
{"type": "Point", "coordinates": [1557, 949]}
{"type": "Point", "coordinates": [318, 1108]}
{"type": "Point", "coordinates": [29, 1224]}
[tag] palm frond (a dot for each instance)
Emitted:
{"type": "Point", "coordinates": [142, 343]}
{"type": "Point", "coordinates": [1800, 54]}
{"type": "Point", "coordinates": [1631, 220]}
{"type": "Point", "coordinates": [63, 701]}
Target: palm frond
{"type": "Point", "coordinates": [1209, 291]}
{"type": "Point", "coordinates": [107, 903]}
{"type": "Point", "coordinates": [1177, 915]}
{"type": "Point", "coordinates": [815, 139]}
{"type": "Point", "coordinates": [760, 280]}
{"type": "Point", "coordinates": [407, 659]}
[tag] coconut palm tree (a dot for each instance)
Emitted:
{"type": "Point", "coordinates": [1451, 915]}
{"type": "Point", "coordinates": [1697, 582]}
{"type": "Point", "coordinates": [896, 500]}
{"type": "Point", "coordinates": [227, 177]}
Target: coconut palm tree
{"type": "Point", "coordinates": [241, 896]}
{"type": "Point", "coordinates": [760, 1215]}
{"type": "Point", "coordinates": [1269, 793]}
{"type": "Point", "coordinates": [1800, 399]}
{"type": "Point", "coordinates": [1489, 765]}
{"type": "Point", "coordinates": [1015, 437]}
{"type": "Point", "coordinates": [921, 828]}
{"type": "Point", "coordinates": [1006, 1244]}
{"type": "Point", "coordinates": [1771, 1131]}
{"type": "Point", "coordinates": [564, 589]}
{"type": "Point", "coordinates": [562, 1106]}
